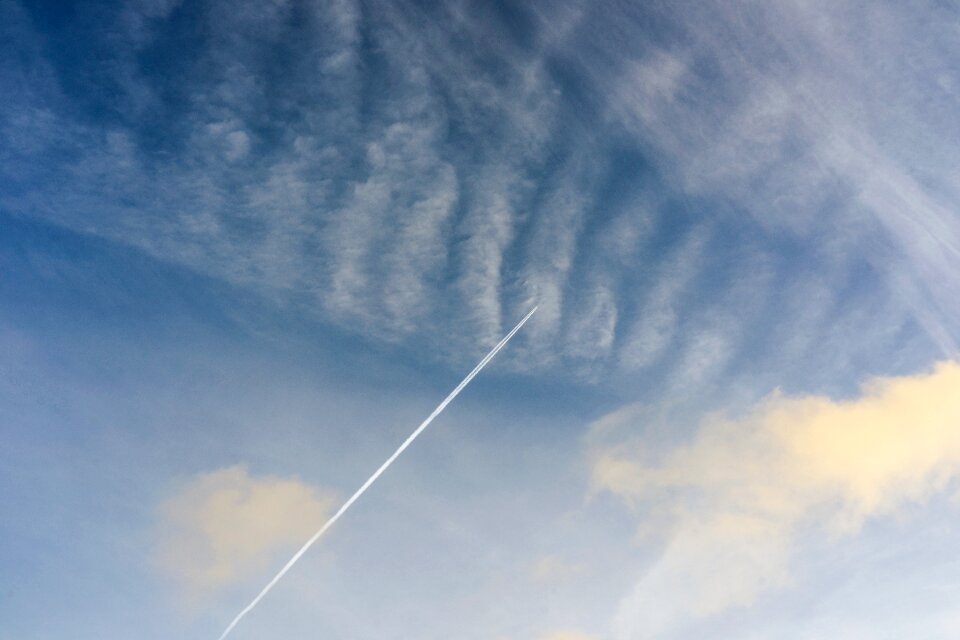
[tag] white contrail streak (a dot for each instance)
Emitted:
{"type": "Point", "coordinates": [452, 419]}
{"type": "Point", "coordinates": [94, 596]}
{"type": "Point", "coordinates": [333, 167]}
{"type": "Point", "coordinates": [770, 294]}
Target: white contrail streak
{"type": "Point", "coordinates": [376, 474]}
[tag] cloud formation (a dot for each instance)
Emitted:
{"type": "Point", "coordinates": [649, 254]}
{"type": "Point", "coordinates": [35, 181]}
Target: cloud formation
{"type": "Point", "coordinates": [398, 170]}
{"type": "Point", "coordinates": [733, 500]}
{"type": "Point", "coordinates": [798, 133]}
{"type": "Point", "coordinates": [226, 525]}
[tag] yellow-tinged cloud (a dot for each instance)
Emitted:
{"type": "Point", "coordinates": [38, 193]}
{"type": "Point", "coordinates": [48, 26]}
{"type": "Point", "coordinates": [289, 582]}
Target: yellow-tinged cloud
{"type": "Point", "coordinates": [734, 495]}
{"type": "Point", "coordinates": [226, 525]}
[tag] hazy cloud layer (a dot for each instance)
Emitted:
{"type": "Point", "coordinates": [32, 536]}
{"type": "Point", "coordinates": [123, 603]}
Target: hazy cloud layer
{"type": "Point", "coordinates": [732, 502]}
{"type": "Point", "coordinates": [566, 635]}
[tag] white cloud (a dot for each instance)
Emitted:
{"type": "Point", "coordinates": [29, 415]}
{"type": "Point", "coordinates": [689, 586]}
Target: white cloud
{"type": "Point", "coordinates": [551, 248]}
{"type": "Point", "coordinates": [593, 324]}
{"type": "Point", "coordinates": [656, 322]}
{"type": "Point", "coordinates": [479, 179]}
{"type": "Point", "coordinates": [489, 227]}
{"type": "Point", "coordinates": [809, 132]}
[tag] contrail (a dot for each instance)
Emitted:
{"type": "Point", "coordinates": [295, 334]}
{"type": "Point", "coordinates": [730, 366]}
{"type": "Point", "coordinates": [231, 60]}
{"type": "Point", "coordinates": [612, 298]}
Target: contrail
{"type": "Point", "coordinates": [376, 474]}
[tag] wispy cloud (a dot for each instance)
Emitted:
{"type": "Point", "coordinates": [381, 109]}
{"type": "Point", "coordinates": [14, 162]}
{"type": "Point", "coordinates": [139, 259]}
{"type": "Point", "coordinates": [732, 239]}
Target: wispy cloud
{"type": "Point", "coordinates": [657, 321]}
{"type": "Point", "coordinates": [392, 170]}
{"type": "Point", "coordinates": [799, 134]}
{"type": "Point", "coordinates": [732, 503]}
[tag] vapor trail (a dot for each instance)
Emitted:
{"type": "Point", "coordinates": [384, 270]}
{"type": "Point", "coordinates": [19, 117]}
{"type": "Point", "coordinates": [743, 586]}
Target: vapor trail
{"type": "Point", "coordinates": [376, 474]}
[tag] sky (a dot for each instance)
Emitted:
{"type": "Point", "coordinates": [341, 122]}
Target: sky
{"type": "Point", "coordinates": [246, 247]}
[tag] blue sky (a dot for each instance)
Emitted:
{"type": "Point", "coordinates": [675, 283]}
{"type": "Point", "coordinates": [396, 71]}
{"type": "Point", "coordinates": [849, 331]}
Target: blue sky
{"type": "Point", "coordinates": [245, 247]}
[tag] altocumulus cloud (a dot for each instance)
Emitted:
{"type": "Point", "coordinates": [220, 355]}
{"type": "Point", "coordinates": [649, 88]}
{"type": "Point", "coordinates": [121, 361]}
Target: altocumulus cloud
{"type": "Point", "coordinates": [225, 525]}
{"type": "Point", "coordinates": [733, 499]}
{"type": "Point", "coordinates": [398, 170]}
